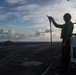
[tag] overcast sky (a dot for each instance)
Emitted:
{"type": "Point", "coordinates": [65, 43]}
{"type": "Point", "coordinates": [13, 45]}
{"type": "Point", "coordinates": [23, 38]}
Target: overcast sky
{"type": "Point", "coordinates": [26, 20]}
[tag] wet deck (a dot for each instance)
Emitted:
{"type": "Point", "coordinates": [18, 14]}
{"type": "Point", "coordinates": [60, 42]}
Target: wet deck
{"type": "Point", "coordinates": [54, 70]}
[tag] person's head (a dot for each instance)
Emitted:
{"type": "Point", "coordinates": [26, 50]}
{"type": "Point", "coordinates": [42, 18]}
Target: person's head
{"type": "Point", "coordinates": [67, 17]}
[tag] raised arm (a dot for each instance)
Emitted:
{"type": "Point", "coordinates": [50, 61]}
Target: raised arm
{"type": "Point", "coordinates": [55, 24]}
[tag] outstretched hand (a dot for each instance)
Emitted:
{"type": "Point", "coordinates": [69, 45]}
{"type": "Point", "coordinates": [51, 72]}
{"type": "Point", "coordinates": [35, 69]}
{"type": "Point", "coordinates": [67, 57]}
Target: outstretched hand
{"type": "Point", "coordinates": [50, 18]}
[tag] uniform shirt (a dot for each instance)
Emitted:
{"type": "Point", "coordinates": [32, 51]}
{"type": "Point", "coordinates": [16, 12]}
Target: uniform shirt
{"type": "Point", "coordinates": [67, 30]}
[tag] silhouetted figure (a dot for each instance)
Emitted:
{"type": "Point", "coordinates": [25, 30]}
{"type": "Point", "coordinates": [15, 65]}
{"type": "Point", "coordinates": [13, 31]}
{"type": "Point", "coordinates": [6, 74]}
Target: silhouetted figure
{"type": "Point", "coordinates": [66, 33]}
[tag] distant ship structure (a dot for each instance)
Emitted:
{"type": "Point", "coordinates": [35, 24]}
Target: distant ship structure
{"type": "Point", "coordinates": [8, 41]}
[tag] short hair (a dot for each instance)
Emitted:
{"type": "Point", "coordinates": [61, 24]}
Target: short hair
{"type": "Point", "coordinates": [67, 17]}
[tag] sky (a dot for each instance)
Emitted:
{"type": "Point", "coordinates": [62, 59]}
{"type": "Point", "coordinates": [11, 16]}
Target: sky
{"type": "Point", "coordinates": [26, 20]}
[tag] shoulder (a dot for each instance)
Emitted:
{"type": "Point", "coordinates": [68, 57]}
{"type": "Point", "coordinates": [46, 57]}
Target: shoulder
{"type": "Point", "coordinates": [70, 23]}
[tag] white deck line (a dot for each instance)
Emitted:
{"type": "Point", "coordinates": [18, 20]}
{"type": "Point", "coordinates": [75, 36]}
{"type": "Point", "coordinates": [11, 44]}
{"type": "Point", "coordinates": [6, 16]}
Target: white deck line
{"type": "Point", "coordinates": [50, 65]}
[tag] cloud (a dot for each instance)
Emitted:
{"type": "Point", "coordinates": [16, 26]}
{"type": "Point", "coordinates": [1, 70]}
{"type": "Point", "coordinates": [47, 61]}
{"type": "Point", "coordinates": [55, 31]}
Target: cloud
{"type": "Point", "coordinates": [29, 7]}
{"type": "Point", "coordinates": [38, 35]}
{"type": "Point", "coordinates": [9, 32]}
{"type": "Point", "coordinates": [16, 36]}
{"type": "Point", "coordinates": [47, 31]}
{"type": "Point", "coordinates": [1, 7]}
{"type": "Point", "coordinates": [44, 32]}
{"type": "Point", "coordinates": [29, 12]}
{"type": "Point", "coordinates": [16, 1]}
{"type": "Point", "coordinates": [2, 31]}
{"type": "Point", "coordinates": [11, 35]}
{"type": "Point", "coordinates": [37, 15]}
{"type": "Point", "coordinates": [4, 15]}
